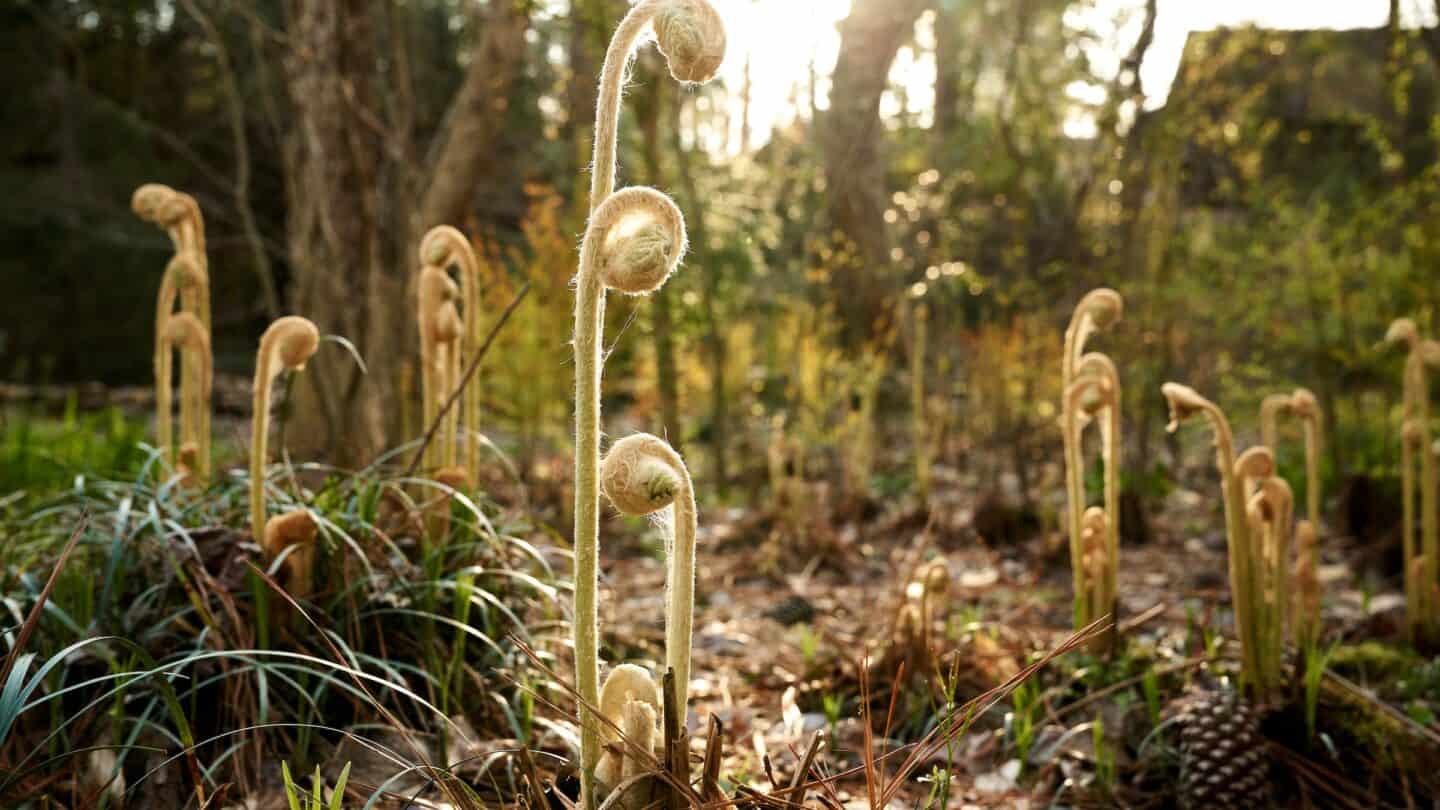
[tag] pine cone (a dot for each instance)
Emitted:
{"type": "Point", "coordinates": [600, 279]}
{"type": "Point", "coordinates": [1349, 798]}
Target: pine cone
{"type": "Point", "coordinates": [1223, 761]}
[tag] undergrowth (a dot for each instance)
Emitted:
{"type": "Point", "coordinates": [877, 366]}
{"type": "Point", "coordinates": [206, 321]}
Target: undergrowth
{"type": "Point", "coordinates": [151, 670]}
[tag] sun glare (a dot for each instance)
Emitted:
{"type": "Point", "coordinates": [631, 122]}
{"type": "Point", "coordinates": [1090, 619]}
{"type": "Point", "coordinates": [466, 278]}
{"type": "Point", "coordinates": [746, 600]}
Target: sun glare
{"type": "Point", "coordinates": [790, 47]}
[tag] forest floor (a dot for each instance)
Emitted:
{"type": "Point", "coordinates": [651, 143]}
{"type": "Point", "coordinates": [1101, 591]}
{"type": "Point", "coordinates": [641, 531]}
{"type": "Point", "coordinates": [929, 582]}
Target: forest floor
{"type": "Point", "coordinates": [799, 636]}
{"type": "Point", "coordinates": [785, 623]}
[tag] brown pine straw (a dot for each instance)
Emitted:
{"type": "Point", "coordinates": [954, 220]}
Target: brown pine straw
{"type": "Point", "coordinates": [880, 789]}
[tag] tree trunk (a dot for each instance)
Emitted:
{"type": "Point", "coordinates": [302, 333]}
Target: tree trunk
{"type": "Point", "coordinates": [340, 270]}
{"type": "Point", "coordinates": [351, 247]}
{"type": "Point", "coordinates": [852, 138]}
{"type": "Point", "coordinates": [718, 349]}
{"type": "Point", "coordinates": [648, 115]}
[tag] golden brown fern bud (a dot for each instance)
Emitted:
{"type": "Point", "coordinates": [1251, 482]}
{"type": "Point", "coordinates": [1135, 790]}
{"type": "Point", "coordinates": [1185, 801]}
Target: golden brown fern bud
{"type": "Point", "coordinates": [297, 530]}
{"type": "Point", "coordinates": [691, 35]}
{"type": "Point", "coordinates": [640, 475]}
{"type": "Point", "coordinates": [1307, 584]}
{"type": "Point", "coordinates": [630, 701]}
{"type": "Point", "coordinates": [287, 345]}
{"type": "Point", "coordinates": [636, 239]}
{"type": "Point", "coordinates": [1244, 550]}
{"type": "Point", "coordinates": [184, 331]}
{"type": "Point", "coordinates": [441, 248]}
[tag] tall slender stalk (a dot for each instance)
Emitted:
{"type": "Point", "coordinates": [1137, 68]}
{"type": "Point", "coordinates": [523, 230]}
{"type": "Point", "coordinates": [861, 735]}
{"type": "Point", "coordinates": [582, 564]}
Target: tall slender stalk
{"type": "Point", "coordinates": [1235, 479]}
{"type": "Point", "coordinates": [921, 432]}
{"type": "Point", "coordinates": [634, 240]}
{"type": "Point", "coordinates": [1305, 405]}
{"type": "Point", "coordinates": [1422, 562]}
{"type": "Point", "coordinates": [641, 475]}
{"type": "Point", "coordinates": [441, 329]}
{"type": "Point", "coordinates": [1095, 394]}
{"type": "Point", "coordinates": [442, 247]}
{"type": "Point", "coordinates": [186, 277]}
{"type": "Point", "coordinates": [1098, 310]}
{"type": "Point", "coordinates": [287, 345]}
{"type": "Point", "coordinates": [185, 332]}
{"type": "Point", "coordinates": [1307, 586]}
{"type": "Point", "coordinates": [1270, 512]}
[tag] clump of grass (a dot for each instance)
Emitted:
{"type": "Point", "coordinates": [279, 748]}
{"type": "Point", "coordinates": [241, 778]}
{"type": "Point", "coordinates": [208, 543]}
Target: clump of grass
{"type": "Point", "coordinates": [151, 601]}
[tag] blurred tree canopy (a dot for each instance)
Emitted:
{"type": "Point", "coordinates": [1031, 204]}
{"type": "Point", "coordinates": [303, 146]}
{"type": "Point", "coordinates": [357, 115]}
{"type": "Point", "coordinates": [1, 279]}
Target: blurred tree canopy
{"type": "Point", "coordinates": [1265, 223]}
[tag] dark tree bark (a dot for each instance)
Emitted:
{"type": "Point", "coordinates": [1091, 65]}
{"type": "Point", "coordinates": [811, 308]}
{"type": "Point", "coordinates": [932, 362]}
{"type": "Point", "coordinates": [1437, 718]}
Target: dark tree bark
{"type": "Point", "coordinates": [852, 138]}
{"type": "Point", "coordinates": [648, 113]}
{"type": "Point", "coordinates": [360, 199]}
{"type": "Point", "coordinates": [716, 344]}
{"type": "Point", "coordinates": [334, 156]}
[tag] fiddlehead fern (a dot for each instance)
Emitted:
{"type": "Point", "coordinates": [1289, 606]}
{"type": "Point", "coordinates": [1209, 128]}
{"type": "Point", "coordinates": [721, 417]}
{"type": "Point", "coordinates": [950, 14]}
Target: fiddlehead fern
{"type": "Point", "coordinates": [185, 332]}
{"type": "Point", "coordinates": [634, 240]}
{"type": "Point", "coordinates": [641, 475]}
{"type": "Point", "coordinates": [287, 345]}
{"type": "Point", "coordinates": [1185, 403]}
{"type": "Point", "coordinates": [630, 702]}
{"type": "Point", "coordinates": [1094, 394]}
{"type": "Point", "coordinates": [1423, 572]}
{"type": "Point", "coordinates": [186, 276]}
{"type": "Point", "coordinates": [1098, 310]}
{"type": "Point", "coordinates": [442, 247]}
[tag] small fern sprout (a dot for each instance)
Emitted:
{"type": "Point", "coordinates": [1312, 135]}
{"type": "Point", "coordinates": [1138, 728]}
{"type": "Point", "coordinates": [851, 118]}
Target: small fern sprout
{"type": "Point", "coordinates": [1306, 407]}
{"type": "Point", "coordinates": [441, 330]}
{"type": "Point", "coordinates": [287, 345]}
{"type": "Point", "coordinates": [1271, 515]}
{"type": "Point", "coordinates": [633, 242]}
{"type": "Point", "coordinates": [186, 277]}
{"type": "Point", "coordinates": [641, 475]}
{"type": "Point", "coordinates": [442, 247]}
{"type": "Point", "coordinates": [179, 215]}
{"type": "Point", "coordinates": [1271, 408]}
{"type": "Point", "coordinates": [1423, 606]}
{"type": "Point", "coordinates": [185, 332]}
{"type": "Point", "coordinates": [1185, 403]}
{"type": "Point", "coordinates": [630, 701]}
{"type": "Point", "coordinates": [1302, 405]}
{"type": "Point", "coordinates": [1098, 310]}
{"type": "Point", "coordinates": [1093, 532]}
{"type": "Point", "coordinates": [294, 531]}
{"type": "Point", "coordinates": [1094, 395]}
{"type": "Point", "coordinates": [1307, 585]}
{"type": "Point", "coordinates": [936, 580]}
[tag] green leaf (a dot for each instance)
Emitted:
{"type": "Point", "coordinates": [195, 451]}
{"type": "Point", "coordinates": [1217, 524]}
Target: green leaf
{"type": "Point", "coordinates": [290, 795]}
{"type": "Point", "coordinates": [338, 795]}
